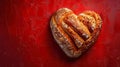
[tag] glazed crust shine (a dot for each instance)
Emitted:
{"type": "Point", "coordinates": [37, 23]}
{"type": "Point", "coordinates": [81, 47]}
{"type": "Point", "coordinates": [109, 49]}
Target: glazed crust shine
{"type": "Point", "coordinates": [75, 33]}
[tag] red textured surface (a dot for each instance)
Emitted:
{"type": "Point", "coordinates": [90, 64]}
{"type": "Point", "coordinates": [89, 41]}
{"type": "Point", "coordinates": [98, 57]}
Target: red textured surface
{"type": "Point", "coordinates": [26, 39]}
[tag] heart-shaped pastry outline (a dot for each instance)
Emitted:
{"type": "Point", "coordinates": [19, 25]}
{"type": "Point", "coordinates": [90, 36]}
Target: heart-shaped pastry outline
{"type": "Point", "coordinates": [75, 34]}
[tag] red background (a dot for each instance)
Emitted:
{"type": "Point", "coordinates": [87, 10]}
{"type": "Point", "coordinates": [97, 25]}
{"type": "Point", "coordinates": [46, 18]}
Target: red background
{"type": "Point", "coordinates": [26, 39]}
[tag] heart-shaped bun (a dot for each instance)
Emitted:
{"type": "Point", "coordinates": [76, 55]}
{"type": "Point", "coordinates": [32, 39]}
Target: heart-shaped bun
{"type": "Point", "coordinates": [75, 33]}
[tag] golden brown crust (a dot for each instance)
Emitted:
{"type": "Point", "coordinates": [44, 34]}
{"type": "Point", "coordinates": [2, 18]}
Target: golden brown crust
{"type": "Point", "coordinates": [75, 34]}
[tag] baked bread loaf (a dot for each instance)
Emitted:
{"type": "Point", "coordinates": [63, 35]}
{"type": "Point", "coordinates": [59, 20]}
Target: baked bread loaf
{"type": "Point", "coordinates": [75, 33]}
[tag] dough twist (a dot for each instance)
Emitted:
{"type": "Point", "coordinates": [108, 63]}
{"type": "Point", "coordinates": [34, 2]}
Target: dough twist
{"type": "Point", "coordinates": [75, 34]}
